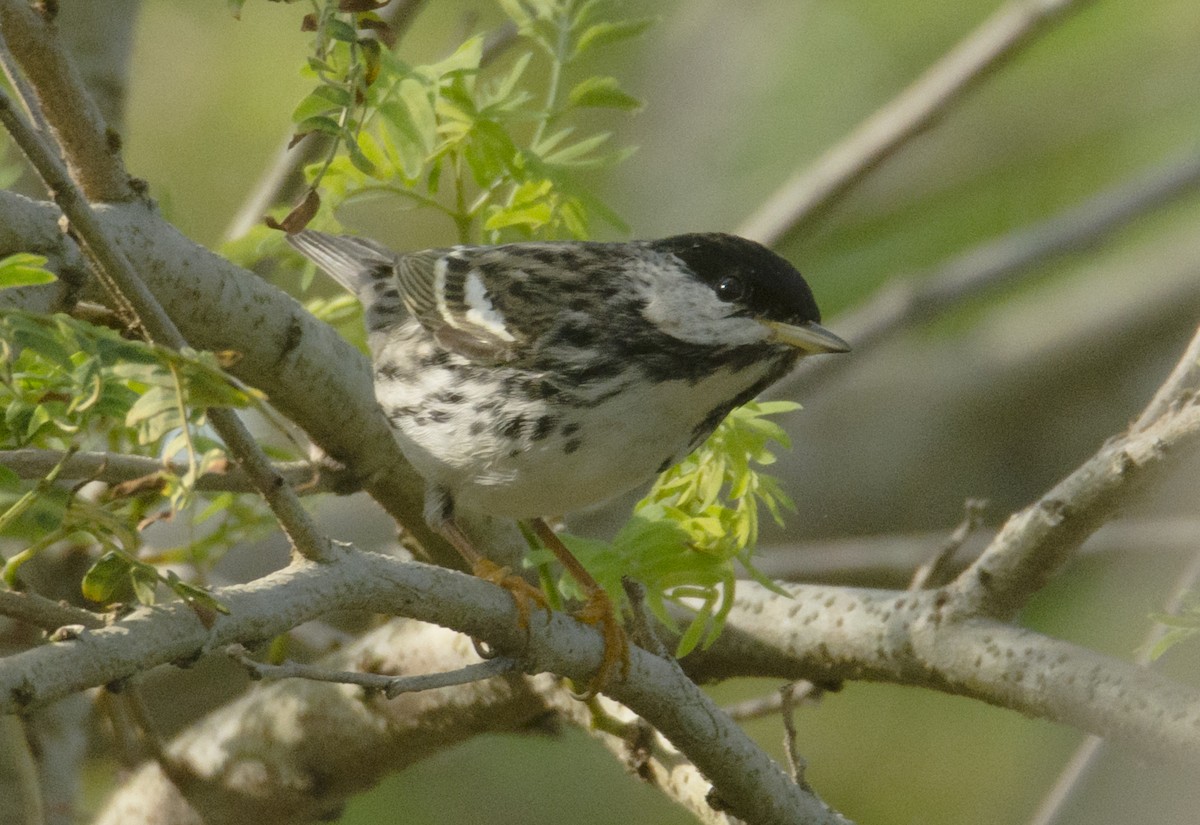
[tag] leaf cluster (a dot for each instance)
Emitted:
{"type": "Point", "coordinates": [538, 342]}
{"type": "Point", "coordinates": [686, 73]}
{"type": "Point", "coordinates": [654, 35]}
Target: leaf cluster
{"type": "Point", "coordinates": [488, 149]}
{"type": "Point", "coordinates": [69, 385]}
{"type": "Point", "coordinates": [698, 523]}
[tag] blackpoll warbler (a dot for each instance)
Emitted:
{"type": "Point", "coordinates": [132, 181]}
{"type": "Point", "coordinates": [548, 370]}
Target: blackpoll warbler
{"type": "Point", "coordinates": [531, 379]}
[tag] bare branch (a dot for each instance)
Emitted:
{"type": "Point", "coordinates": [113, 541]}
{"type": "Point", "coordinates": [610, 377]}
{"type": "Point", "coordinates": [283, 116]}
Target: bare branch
{"type": "Point", "coordinates": [826, 634]}
{"type": "Point", "coordinates": [1182, 383]}
{"type": "Point", "coordinates": [114, 468]}
{"type": "Point", "coordinates": [644, 752]}
{"type": "Point", "coordinates": [91, 150]}
{"type": "Point", "coordinates": [389, 686]}
{"type": "Point", "coordinates": [802, 692]}
{"type": "Point", "coordinates": [44, 613]}
{"type": "Point", "coordinates": [936, 569]}
{"type": "Point", "coordinates": [745, 779]}
{"type": "Point", "coordinates": [998, 39]}
{"type": "Point", "coordinates": [1035, 543]}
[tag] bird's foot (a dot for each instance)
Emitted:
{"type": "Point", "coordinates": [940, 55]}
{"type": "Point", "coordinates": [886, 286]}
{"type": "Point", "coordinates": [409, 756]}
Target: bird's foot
{"type": "Point", "coordinates": [525, 595]}
{"type": "Point", "coordinates": [600, 610]}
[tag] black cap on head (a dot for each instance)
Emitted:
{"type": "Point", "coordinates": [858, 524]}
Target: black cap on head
{"type": "Point", "coordinates": [762, 282]}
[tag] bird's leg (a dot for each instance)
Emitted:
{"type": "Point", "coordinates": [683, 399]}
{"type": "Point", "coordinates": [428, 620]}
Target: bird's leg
{"type": "Point", "coordinates": [598, 609]}
{"type": "Point", "coordinates": [525, 595]}
{"type": "Point", "coordinates": [439, 512]}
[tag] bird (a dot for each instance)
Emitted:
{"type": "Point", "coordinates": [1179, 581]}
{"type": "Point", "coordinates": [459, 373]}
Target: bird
{"type": "Point", "coordinates": [531, 379]}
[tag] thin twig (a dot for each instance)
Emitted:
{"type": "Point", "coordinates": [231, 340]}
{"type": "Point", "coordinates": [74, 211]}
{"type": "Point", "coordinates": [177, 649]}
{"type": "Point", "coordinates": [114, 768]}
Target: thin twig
{"type": "Point", "coordinates": [937, 568]}
{"type": "Point", "coordinates": [787, 705]}
{"type": "Point", "coordinates": [1183, 381]}
{"type": "Point", "coordinates": [115, 468]}
{"type": "Point", "coordinates": [110, 262]}
{"type": "Point", "coordinates": [996, 263]}
{"type": "Point", "coordinates": [1037, 541]}
{"type": "Point", "coordinates": [389, 686]}
{"type": "Point", "coordinates": [802, 691]}
{"type": "Point", "coordinates": [998, 39]}
{"type": "Point", "coordinates": [45, 613]}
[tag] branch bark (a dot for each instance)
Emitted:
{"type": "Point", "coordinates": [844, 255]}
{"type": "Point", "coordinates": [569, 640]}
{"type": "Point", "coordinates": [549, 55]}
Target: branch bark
{"type": "Point", "coordinates": [747, 782]}
{"type": "Point", "coordinates": [90, 149]}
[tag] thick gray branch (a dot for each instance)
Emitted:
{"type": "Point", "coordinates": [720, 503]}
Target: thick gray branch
{"type": "Point", "coordinates": [746, 780]}
{"type": "Point", "coordinates": [830, 634]}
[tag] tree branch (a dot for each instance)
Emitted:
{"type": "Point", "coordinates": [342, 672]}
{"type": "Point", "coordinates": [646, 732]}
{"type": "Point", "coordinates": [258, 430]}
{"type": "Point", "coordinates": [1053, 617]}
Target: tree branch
{"type": "Point", "coordinates": [746, 780]}
{"type": "Point", "coordinates": [1036, 542]}
{"type": "Point", "coordinates": [309, 372]}
{"type": "Point", "coordinates": [90, 149]}
{"type": "Point", "coordinates": [115, 468]}
{"type": "Point", "coordinates": [831, 634]}
{"type": "Point", "coordinates": [45, 613]}
{"type": "Point", "coordinates": [997, 40]}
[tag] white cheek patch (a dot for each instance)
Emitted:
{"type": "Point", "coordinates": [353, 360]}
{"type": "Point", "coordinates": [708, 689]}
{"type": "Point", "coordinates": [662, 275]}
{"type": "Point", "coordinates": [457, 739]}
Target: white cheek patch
{"type": "Point", "coordinates": [480, 310]}
{"type": "Point", "coordinates": [687, 309]}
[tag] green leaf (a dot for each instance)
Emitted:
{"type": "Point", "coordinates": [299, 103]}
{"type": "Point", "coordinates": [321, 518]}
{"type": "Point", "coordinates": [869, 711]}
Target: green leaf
{"type": "Point", "coordinates": [319, 123]}
{"type": "Point", "coordinates": [24, 269]}
{"type": "Point", "coordinates": [339, 30]}
{"type": "Point", "coordinates": [320, 101]}
{"type": "Point", "coordinates": [603, 34]}
{"type": "Point", "coordinates": [144, 579]}
{"type": "Point", "coordinates": [602, 92]}
{"type": "Point", "coordinates": [465, 60]}
{"type": "Point", "coordinates": [106, 578]}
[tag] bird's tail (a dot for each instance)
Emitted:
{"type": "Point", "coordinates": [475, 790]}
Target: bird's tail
{"type": "Point", "coordinates": [352, 262]}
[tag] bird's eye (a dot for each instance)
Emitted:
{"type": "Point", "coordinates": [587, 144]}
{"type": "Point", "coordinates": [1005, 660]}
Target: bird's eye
{"type": "Point", "coordinates": [730, 288]}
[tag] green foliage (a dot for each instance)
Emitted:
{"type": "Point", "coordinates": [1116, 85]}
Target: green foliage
{"type": "Point", "coordinates": [24, 269]}
{"type": "Point", "coordinates": [699, 519]}
{"type": "Point", "coordinates": [68, 385]}
{"type": "Point", "coordinates": [485, 149]}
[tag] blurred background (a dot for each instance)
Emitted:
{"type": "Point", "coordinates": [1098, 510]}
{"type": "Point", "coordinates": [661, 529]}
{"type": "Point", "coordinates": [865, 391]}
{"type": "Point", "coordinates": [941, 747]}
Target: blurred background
{"type": "Point", "coordinates": [997, 399]}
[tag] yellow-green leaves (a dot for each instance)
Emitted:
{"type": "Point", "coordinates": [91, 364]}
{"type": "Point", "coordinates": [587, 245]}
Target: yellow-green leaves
{"type": "Point", "coordinates": [698, 522]}
{"type": "Point", "coordinates": [24, 269]}
{"type": "Point", "coordinates": [67, 385]}
{"type": "Point", "coordinates": [489, 147]}
{"type": "Point", "coordinates": [602, 92]}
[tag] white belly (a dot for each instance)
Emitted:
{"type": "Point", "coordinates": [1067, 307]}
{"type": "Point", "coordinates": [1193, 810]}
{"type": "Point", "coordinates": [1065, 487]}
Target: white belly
{"type": "Point", "coordinates": [552, 459]}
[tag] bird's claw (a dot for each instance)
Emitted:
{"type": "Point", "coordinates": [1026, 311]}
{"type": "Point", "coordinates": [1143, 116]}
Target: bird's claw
{"type": "Point", "coordinates": [599, 610]}
{"type": "Point", "coordinates": [525, 595]}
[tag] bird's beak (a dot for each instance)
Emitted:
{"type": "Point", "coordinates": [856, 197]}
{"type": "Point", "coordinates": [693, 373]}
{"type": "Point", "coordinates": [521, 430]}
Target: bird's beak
{"type": "Point", "coordinates": [810, 337]}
